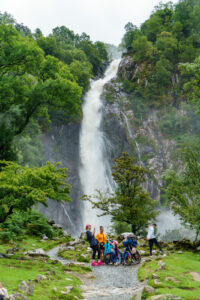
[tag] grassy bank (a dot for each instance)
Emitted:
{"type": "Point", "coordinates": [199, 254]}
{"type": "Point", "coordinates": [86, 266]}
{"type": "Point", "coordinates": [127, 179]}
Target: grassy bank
{"type": "Point", "coordinates": [180, 276]}
{"type": "Point", "coordinates": [57, 281]}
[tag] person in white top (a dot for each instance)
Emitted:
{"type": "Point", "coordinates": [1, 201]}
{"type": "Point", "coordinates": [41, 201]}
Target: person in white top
{"type": "Point", "coordinates": [152, 239]}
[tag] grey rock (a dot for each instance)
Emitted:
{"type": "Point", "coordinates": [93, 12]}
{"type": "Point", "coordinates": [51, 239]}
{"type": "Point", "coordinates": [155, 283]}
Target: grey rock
{"type": "Point", "coordinates": [36, 252]}
{"type": "Point", "coordinates": [40, 277]}
{"type": "Point", "coordinates": [57, 226]}
{"type": "Point", "coordinates": [149, 289]}
{"type": "Point", "coordinates": [155, 276]}
{"type": "Point", "coordinates": [17, 296]}
{"type": "Point", "coordinates": [23, 286]}
{"type": "Point", "coordinates": [161, 265]}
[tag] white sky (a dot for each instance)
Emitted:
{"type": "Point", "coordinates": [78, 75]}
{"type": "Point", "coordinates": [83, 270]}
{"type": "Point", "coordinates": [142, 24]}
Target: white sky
{"type": "Point", "coordinates": [103, 20]}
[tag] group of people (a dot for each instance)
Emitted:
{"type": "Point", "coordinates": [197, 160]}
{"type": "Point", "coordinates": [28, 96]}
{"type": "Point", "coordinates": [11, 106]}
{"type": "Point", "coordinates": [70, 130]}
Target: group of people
{"type": "Point", "coordinates": [100, 244]}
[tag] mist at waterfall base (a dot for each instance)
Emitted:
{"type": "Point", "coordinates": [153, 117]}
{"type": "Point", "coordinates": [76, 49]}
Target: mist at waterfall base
{"type": "Point", "coordinates": [170, 227]}
{"type": "Point", "coordinates": [95, 170]}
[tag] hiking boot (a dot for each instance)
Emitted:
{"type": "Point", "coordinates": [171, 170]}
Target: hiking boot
{"type": "Point", "coordinates": [94, 264]}
{"type": "Point", "coordinates": [100, 263]}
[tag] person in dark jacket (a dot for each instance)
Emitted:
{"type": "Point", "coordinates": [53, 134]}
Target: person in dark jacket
{"type": "Point", "coordinates": [94, 245]}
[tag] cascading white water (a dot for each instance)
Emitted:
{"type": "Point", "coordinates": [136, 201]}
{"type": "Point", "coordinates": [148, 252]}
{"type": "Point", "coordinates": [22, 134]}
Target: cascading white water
{"type": "Point", "coordinates": [95, 172]}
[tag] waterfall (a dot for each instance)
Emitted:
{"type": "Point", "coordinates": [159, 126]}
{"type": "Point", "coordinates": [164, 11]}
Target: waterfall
{"type": "Point", "coordinates": [95, 171]}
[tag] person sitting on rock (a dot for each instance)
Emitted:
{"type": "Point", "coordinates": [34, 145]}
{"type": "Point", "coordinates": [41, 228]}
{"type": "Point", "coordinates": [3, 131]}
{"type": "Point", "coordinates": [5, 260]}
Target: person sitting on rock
{"type": "Point", "coordinates": [94, 245]}
{"type": "Point", "coordinates": [152, 239]}
{"type": "Point", "coordinates": [3, 292]}
{"type": "Point", "coordinates": [102, 239]}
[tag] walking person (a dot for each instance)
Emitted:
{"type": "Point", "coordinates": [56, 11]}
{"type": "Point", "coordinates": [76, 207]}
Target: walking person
{"type": "Point", "coordinates": [94, 245]}
{"type": "Point", "coordinates": [102, 239]}
{"type": "Point", "coordinates": [152, 239]}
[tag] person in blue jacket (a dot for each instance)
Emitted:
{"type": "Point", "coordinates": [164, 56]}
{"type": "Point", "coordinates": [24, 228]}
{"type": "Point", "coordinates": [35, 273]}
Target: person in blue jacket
{"type": "Point", "coordinates": [94, 245]}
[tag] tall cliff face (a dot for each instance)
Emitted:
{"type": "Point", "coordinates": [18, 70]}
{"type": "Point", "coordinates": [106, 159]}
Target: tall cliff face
{"type": "Point", "coordinates": [61, 143]}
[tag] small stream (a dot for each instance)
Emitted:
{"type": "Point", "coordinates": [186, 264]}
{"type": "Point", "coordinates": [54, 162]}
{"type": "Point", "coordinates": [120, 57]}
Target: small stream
{"type": "Point", "coordinates": [110, 283]}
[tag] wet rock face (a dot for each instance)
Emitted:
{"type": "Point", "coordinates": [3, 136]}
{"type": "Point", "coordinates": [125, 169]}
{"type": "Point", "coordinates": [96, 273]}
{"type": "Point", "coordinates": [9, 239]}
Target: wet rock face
{"type": "Point", "coordinates": [61, 143]}
{"type": "Point", "coordinates": [127, 68]}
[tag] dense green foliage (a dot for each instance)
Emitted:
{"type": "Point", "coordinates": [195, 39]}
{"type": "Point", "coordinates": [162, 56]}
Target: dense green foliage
{"type": "Point", "coordinates": [41, 77]}
{"type": "Point", "coordinates": [22, 187]}
{"type": "Point", "coordinates": [182, 188]}
{"type": "Point", "coordinates": [169, 37]}
{"type": "Point", "coordinates": [19, 224]}
{"type": "Point", "coordinates": [130, 203]}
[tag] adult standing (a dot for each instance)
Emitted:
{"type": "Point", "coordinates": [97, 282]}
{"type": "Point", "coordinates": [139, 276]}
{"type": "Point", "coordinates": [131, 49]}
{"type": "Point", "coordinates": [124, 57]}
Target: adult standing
{"type": "Point", "coordinates": [102, 239]}
{"type": "Point", "coordinates": [152, 239]}
{"type": "Point", "coordinates": [94, 245]}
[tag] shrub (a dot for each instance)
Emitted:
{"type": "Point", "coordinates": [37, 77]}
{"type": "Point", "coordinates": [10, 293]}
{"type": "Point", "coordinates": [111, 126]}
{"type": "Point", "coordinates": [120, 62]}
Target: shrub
{"type": "Point", "coordinates": [20, 223]}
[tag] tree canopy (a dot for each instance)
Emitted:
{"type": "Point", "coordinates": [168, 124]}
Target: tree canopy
{"type": "Point", "coordinates": [21, 188]}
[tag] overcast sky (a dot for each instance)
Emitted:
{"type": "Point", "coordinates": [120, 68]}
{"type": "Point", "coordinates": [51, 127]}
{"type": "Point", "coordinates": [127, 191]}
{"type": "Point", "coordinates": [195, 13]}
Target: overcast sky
{"type": "Point", "coordinates": [103, 20]}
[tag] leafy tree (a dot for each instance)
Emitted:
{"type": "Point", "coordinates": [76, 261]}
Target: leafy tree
{"type": "Point", "coordinates": [29, 82]}
{"type": "Point", "coordinates": [130, 203]}
{"type": "Point", "coordinates": [183, 188]}
{"type": "Point", "coordinates": [22, 187]}
{"type": "Point", "coordinates": [82, 72]}
{"type": "Point", "coordinates": [191, 78]}
{"type": "Point", "coordinates": [132, 33]}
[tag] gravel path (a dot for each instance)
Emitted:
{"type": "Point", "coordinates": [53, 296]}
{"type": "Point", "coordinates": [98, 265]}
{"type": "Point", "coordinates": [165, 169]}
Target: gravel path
{"type": "Point", "coordinates": [110, 283]}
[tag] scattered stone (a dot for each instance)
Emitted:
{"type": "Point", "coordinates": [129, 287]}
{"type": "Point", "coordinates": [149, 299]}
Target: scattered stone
{"type": "Point", "coordinates": [31, 287]}
{"type": "Point", "coordinates": [57, 226]}
{"type": "Point", "coordinates": [36, 252]}
{"type": "Point", "coordinates": [55, 289]}
{"type": "Point", "coordinates": [51, 222]}
{"type": "Point", "coordinates": [180, 252]}
{"type": "Point", "coordinates": [76, 242]}
{"type": "Point", "coordinates": [40, 278]}
{"type": "Point", "coordinates": [44, 238]}
{"type": "Point", "coordinates": [83, 236]}
{"type": "Point", "coordinates": [149, 289]}
{"type": "Point", "coordinates": [161, 265]}
{"type": "Point", "coordinates": [56, 239]}
{"type": "Point", "coordinates": [154, 252]}
{"type": "Point", "coordinates": [142, 252]}
{"type": "Point", "coordinates": [68, 248]}
{"type": "Point", "coordinates": [2, 255]}
{"type": "Point", "coordinates": [157, 282]}
{"type": "Point", "coordinates": [69, 288]}
{"type": "Point", "coordinates": [196, 276]}
{"type": "Point", "coordinates": [23, 286]}
{"type": "Point", "coordinates": [17, 296]}
{"type": "Point", "coordinates": [13, 250]}
{"type": "Point", "coordinates": [155, 276]}
{"type": "Point", "coordinates": [172, 279]}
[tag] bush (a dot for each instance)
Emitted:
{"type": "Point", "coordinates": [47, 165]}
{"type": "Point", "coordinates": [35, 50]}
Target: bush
{"type": "Point", "coordinates": [20, 223]}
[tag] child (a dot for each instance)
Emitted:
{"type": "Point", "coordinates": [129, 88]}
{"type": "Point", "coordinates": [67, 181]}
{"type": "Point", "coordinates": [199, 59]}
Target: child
{"type": "Point", "coordinates": [94, 245]}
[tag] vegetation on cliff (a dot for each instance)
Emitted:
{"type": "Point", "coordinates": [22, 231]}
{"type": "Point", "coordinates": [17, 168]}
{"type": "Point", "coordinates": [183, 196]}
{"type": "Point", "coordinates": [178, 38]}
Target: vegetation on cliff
{"type": "Point", "coordinates": [169, 37]}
